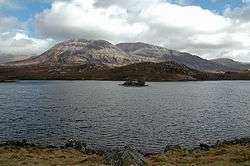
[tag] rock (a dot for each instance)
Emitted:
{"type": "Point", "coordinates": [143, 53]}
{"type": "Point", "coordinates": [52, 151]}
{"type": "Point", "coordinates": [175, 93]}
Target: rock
{"type": "Point", "coordinates": [204, 147]}
{"type": "Point", "coordinates": [172, 148]}
{"type": "Point", "coordinates": [78, 145]}
{"type": "Point", "coordinates": [127, 156]}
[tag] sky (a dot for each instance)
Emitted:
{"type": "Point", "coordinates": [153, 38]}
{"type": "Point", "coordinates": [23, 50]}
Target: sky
{"type": "Point", "coordinates": [207, 28]}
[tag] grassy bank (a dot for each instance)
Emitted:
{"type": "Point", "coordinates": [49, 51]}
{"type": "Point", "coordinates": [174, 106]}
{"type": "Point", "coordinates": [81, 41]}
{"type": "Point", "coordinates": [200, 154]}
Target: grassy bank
{"type": "Point", "coordinates": [13, 156]}
{"type": "Point", "coordinates": [224, 155]}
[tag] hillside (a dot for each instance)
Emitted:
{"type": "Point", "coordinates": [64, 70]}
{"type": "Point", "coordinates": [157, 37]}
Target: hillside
{"type": "Point", "coordinates": [149, 71]}
{"type": "Point", "coordinates": [153, 53]}
{"type": "Point", "coordinates": [77, 52]}
{"type": "Point", "coordinates": [232, 64]}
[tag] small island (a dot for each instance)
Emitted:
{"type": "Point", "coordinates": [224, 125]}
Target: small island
{"type": "Point", "coordinates": [136, 83]}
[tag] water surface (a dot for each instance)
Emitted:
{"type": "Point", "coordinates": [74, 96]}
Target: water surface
{"type": "Point", "coordinates": [106, 115]}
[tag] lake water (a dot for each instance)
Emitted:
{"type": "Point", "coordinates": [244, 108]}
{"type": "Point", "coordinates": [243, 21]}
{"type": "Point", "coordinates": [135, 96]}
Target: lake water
{"type": "Point", "coordinates": [106, 115]}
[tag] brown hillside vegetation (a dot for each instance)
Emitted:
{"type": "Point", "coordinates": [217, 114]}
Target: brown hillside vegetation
{"type": "Point", "coordinates": [149, 71]}
{"type": "Point", "coordinates": [226, 155]}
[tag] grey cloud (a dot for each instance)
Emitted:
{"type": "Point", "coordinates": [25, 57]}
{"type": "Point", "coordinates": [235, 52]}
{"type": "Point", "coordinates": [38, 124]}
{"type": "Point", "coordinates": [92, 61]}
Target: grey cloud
{"type": "Point", "coordinates": [21, 43]}
{"type": "Point", "coordinates": [240, 13]}
{"type": "Point", "coordinates": [7, 23]}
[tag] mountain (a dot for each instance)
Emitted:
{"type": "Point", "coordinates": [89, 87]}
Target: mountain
{"type": "Point", "coordinates": [232, 64]}
{"type": "Point", "coordinates": [100, 52]}
{"type": "Point", "coordinates": [160, 54]}
{"type": "Point", "coordinates": [80, 51]}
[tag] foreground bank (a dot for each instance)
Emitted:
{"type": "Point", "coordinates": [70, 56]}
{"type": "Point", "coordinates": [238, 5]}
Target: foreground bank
{"type": "Point", "coordinates": [236, 152]}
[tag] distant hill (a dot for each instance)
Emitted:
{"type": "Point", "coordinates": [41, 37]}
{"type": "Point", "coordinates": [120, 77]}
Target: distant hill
{"type": "Point", "coordinates": [232, 64]}
{"type": "Point", "coordinates": [5, 58]}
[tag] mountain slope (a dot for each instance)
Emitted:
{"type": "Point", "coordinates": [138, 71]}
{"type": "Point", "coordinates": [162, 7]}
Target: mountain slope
{"type": "Point", "coordinates": [80, 51]}
{"type": "Point", "coordinates": [160, 54]}
{"type": "Point", "coordinates": [232, 64]}
{"type": "Point", "coordinates": [149, 71]}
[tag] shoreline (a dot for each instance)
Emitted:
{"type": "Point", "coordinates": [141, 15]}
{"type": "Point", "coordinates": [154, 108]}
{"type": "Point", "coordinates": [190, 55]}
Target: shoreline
{"type": "Point", "coordinates": [237, 150]}
{"type": "Point", "coordinates": [99, 80]}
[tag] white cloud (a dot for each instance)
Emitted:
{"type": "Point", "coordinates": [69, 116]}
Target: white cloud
{"type": "Point", "coordinates": [18, 43]}
{"type": "Point", "coordinates": [185, 28]}
{"type": "Point", "coordinates": [182, 27]}
{"type": "Point", "coordinates": [83, 19]}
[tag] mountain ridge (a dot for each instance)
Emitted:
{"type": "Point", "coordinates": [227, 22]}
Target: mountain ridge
{"type": "Point", "coordinates": [232, 63]}
{"type": "Point", "coordinates": [101, 52]}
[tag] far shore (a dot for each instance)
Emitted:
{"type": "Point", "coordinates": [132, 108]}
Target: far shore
{"type": "Point", "coordinates": [156, 72]}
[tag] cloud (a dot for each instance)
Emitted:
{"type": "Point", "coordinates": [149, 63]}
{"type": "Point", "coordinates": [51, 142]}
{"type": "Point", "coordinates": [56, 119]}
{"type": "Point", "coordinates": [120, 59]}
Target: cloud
{"type": "Point", "coordinates": [7, 23]}
{"type": "Point", "coordinates": [18, 43]}
{"type": "Point", "coordinates": [83, 19]}
{"type": "Point", "coordinates": [113, 20]}
{"type": "Point", "coordinates": [9, 4]}
{"type": "Point", "coordinates": [15, 41]}
{"type": "Point", "coordinates": [185, 28]}
{"type": "Point", "coordinates": [239, 13]}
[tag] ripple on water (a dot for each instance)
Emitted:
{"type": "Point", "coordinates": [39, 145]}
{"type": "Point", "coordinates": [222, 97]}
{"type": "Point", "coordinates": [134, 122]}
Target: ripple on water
{"type": "Point", "coordinates": [106, 115]}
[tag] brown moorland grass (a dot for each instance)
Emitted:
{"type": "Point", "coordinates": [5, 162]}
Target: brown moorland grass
{"type": "Point", "coordinates": [15, 156]}
{"type": "Point", "coordinates": [225, 155]}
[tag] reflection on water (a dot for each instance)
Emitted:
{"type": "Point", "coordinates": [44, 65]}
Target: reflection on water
{"type": "Point", "coordinates": [107, 115]}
